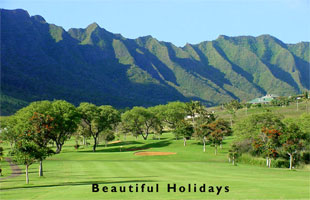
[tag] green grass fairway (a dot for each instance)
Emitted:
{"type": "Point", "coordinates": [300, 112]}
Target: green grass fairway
{"type": "Point", "coordinates": [70, 174]}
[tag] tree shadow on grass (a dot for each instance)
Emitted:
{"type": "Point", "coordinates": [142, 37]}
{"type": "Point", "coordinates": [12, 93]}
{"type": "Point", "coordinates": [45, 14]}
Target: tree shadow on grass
{"type": "Point", "coordinates": [156, 139]}
{"type": "Point", "coordinates": [123, 143]}
{"type": "Point", "coordinates": [79, 183]}
{"type": "Point", "coordinates": [158, 144]}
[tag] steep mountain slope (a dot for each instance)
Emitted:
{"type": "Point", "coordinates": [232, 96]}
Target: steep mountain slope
{"type": "Point", "coordinates": [43, 61]}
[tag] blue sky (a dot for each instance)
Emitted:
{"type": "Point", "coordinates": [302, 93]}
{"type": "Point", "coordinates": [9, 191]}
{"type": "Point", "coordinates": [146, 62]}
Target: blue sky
{"type": "Point", "coordinates": [178, 21]}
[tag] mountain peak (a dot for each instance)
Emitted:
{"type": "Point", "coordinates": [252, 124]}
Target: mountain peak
{"type": "Point", "coordinates": [38, 18]}
{"type": "Point", "coordinates": [146, 37]}
{"type": "Point", "coordinates": [16, 12]}
{"type": "Point", "coordinates": [225, 37]}
{"type": "Point", "coordinates": [93, 26]}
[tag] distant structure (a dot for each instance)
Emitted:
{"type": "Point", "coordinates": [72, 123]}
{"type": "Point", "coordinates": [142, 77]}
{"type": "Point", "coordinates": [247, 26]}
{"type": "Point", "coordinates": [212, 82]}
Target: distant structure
{"type": "Point", "coordinates": [264, 100]}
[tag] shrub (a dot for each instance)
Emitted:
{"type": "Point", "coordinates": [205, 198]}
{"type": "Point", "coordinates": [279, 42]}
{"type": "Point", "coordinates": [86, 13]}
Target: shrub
{"type": "Point", "coordinates": [305, 158]}
{"type": "Point", "coordinates": [248, 159]}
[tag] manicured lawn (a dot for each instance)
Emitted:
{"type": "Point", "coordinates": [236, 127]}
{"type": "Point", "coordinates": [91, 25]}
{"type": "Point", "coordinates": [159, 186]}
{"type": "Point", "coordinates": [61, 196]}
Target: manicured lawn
{"type": "Point", "coordinates": [70, 174]}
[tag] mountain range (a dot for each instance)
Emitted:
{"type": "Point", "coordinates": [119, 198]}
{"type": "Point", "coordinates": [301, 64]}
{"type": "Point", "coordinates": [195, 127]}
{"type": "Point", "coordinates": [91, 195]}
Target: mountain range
{"type": "Point", "coordinates": [43, 61]}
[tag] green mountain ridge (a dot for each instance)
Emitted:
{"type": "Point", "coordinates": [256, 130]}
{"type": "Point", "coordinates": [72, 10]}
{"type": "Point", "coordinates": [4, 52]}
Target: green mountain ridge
{"type": "Point", "coordinates": [43, 61]}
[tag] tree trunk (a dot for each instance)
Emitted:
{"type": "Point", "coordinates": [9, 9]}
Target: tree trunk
{"type": "Point", "coordinates": [84, 140]}
{"type": "Point", "coordinates": [145, 137]}
{"type": "Point", "coordinates": [58, 148]}
{"type": "Point", "coordinates": [291, 161]}
{"type": "Point", "coordinates": [184, 141]}
{"type": "Point", "coordinates": [269, 163]}
{"type": "Point", "coordinates": [95, 144]}
{"type": "Point", "coordinates": [27, 177]}
{"type": "Point", "coordinates": [233, 160]}
{"type": "Point", "coordinates": [204, 144]}
{"type": "Point", "coordinates": [267, 160]}
{"type": "Point", "coordinates": [41, 168]}
{"type": "Point", "coordinates": [215, 149]}
{"type": "Point", "coordinates": [221, 145]}
{"type": "Point", "coordinates": [105, 143]}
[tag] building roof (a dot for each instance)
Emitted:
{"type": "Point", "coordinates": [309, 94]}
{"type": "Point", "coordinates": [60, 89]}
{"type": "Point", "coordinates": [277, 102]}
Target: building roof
{"type": "Point", "coordinates": [265, 99]}
{"type": "Point", "coordinates": [270, 96]}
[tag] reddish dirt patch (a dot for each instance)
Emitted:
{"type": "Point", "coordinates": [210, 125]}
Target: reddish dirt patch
{"type": "Point", "coordinates": [152, 153]}
{"type": "Point", "coordinates": [114, 142]}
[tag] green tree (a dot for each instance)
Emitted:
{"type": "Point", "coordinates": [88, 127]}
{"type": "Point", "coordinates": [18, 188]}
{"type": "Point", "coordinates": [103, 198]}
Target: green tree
{"type": "Point", "coordinates": [66, 119]}
{"type": "Point", "coordinates": [218, 129]}
{"type": "Point", "coordinates": [232, 108]}
{"type": "Point", "coordinates": [280, 101]}
{"type": "Point", "coordinates": [8, 130]}
{"type": "Point", "coordinates": [193, 109]}
{"type": "Point", "coordinates": [139, 121]}
{"type": "Point", "coordinates": [306, 97]}
{"type": "Point", "coordinates": [1, 157]}
{"type": "Point", "coordinates": [26, 153]}
{"type": "Point", "coordinates": [41, 128]}
{"type": "Point", "coordinates": [83, 131]}
{"type": "Point", "coordinates": [98, 119]}
{"type": "Point", "coordinates": [36, 125]}
{"type": "Point", "coordinates": [184, 129]}
{"type": "Point", "coordinates": [251, 126]}
{"type": "Point", "coordinates": [171, 113]}
{"type": "Point", "coordinates": [293, 142]}
{"type": "Point", "coordinates": [158, 124]}
{"type": "Point", "coordinates": [107, 136]}
{"type": "Point", "coordinates": [234, 153]}
{"type": "Point", "coordinates": [121, 129]}
{"type": "Point", "coordinates": [271, 143]}
{"type": "Point", "coordinates": [304, 123]}
{"type": "Point", "coordinates": [263, 130]}
{"type": "Point", "coordinates": [202, 129]}
{"type": "Point", "coordinates": [33, 138]}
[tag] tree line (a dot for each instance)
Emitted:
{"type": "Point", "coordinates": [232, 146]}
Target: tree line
{"type": "Point", "coordinates": [34, 130]}
{"type": "Point", "coordinates": [270, 136]}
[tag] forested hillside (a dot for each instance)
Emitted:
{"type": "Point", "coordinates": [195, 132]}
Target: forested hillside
{"type": "Point", "coordinates": [43, 61]}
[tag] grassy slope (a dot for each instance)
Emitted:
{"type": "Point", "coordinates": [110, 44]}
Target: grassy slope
{"type": "Point", "coordinates": [70, 174]}
{"type": "Point", "coordinates": [287, 112]}
{"type": "Point", "coordinates": [9, 104]}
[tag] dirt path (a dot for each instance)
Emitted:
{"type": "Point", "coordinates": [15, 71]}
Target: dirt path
{"type": "Point", "coordinates": [16, 171]}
